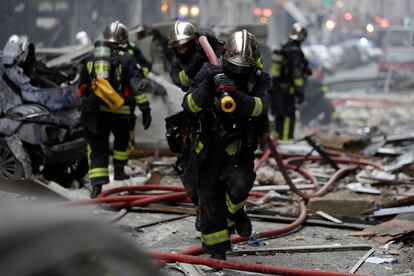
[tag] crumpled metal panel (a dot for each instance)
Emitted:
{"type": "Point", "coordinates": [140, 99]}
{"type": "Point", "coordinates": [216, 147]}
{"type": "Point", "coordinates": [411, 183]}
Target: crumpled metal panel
{"type": "Point", "coordinates": [12, 50]}
{"type": "Point", "coordinates": [22, 112]}
{"type": "Point", "coordinates": [53, 98]}
{"type": "Point", "coordinates": [8, 126]}
{"type": "Point", "coordinates": [8, 99]}
{"type": "Point", "coordinates": [16, 146]}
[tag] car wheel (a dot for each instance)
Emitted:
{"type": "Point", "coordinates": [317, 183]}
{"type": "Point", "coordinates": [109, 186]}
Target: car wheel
{"type": "Point", "coordinates": [66, 172]}
{"type": "Point", "coordinates": [10, 167]}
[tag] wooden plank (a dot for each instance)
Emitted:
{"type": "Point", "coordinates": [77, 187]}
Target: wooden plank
{"type": "Point", "coordinates": [162, 221]}
{"type": "Point", "coordinates": [167, 209]}
{"type": "Point", "coordinates": [383, 181]}
{"type": "Point", "coordinates": [398, 202]}
{"type": "Point", "coordinates": [310, 222]}
{"type": "Point", "coordinates": [281, 187]}
{"type": "Point", "coordinates": [361, 261]}
{"type": "Point", "coordinates": [191, 270]}
{"type": "Point", "coordinates": [303, 249]}
{"type": "Point", "coordinates": [393, 211]}
{"type": "Point", "coordinates": [328, 217]}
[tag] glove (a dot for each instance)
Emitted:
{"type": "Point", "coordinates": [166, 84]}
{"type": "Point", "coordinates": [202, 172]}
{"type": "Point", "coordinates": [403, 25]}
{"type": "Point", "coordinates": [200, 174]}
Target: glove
{"type": "Point", "coordinates": [81, 90]}
{"type": "Point", "coordinates": [146, 118]}
{"type": "Point", "coordinates": [213, 70]}
{"type": "Point", "coordinates": [224, 83]}
{"type": "Point", "coordinates": [300, 96]}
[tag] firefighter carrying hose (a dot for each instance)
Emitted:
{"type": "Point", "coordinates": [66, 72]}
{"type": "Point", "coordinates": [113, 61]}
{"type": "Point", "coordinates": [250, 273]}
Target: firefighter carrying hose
{"type": "Point", "coordinates": [111, 85]}
{"type": "Point", "coordinates": [182, 127]}
{"type": "Point", "coordinates": [289, 71]}
{"type": "Point", "coordinates": [183, 39]}
{"type": "Point", "coordinates": [226, 140]}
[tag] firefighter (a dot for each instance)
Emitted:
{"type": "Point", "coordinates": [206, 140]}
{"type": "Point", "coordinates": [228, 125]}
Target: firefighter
{"type": "Point", "coordinates": [227, 138]}
{"type": "Point", "coordinates": [183, 39]}
{"type": "Point", "coordinates": [120, 31]}
{"type": "Point", "coordinates": [111, 69]}
{"type": "Point", "coordinates": [121, 34]}
{"type": "Point", "coordinates": [190, 57]}
{"type": "Point", "coordinates": [289, 71]}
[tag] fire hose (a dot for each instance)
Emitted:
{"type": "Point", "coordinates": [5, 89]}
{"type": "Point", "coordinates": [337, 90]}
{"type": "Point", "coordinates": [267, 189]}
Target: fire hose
{"type": "Point", "coordinates": [227, 103]}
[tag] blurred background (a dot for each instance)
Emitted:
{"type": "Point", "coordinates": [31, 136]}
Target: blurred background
{"type": "Point", "coordinates": [363, 31]}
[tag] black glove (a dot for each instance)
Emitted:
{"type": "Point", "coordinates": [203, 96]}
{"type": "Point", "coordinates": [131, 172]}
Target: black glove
{"type": "Point", "coordinates": [213, 70]}
{"type": "Point", "coordinates": [224, 83]}
{"type": "Point", "coordinates": [146, 118]}
{"type": "Point", "coordinates": [300, 96]}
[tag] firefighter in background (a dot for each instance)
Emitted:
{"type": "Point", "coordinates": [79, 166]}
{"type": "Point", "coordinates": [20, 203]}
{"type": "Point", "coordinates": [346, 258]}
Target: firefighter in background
{"type": "Point", "coordinates": [226, 139]}
{"type": "Point", "coordinates": [289, 71]}
{"type": "Point", "coordinates": [120, 32]}
{"type": "Point", "coordinates": [182, 127]}
{"type": "Point", "coordinates": [183, 39]}
{"type": "Point", "coordinates": [111, 83]}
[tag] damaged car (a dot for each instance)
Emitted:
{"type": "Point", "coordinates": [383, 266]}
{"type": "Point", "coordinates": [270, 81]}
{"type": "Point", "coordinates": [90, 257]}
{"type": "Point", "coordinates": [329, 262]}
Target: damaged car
{"type": "Point", "coordinates": [39, 118]}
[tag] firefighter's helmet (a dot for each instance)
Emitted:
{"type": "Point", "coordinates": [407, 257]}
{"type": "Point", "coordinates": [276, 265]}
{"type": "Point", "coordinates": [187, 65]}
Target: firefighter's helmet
{"type": "Point", "coordinates": [180, 33]}
{"type": "Point", "coordinates": [116, 32]}
{"type": "Point", "coordinates": [298, 32]}
{"type": "Point", "coordinates": [241, 52]}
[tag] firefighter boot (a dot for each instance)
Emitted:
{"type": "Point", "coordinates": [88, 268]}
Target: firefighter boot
{"type": "Point", "coordinates": [96, 190]}
{"type": "Point", "coordinates": [242, 223]}
{"type": "Point", "coordinates": [198, 223]}
{"type": "Point", "coordinates": [218, 255]}
{"type": "Point", "coordinates": [120, 173]}
{"type": "Point", "coordinates": [231, 226]}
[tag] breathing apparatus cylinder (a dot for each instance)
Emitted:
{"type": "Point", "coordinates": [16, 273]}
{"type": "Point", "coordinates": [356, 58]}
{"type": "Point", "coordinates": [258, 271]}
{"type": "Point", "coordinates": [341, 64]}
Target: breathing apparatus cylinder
{"type": "Point", "coordinates": [102, 59]}
{"type": "Point", "coordinates": [102, 79]}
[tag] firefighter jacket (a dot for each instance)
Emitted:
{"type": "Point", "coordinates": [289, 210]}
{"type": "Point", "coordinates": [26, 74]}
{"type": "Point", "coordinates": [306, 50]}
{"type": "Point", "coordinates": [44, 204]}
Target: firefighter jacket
{"type": "Point", "coordinates": [237, 130]}
{"type": "Point", "coordinates": [142, 62]}
{"type": "Point", "coordinates": [126, 80]}
{"type": "Point", "coordinates": [186, 67]}
{"type": "Point", "coordinates": [289, 67]}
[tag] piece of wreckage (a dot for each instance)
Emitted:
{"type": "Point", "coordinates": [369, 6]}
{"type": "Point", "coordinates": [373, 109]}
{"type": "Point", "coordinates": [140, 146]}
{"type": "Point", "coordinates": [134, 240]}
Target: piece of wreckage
{"type": "Point", "coordinates": [39, 122]}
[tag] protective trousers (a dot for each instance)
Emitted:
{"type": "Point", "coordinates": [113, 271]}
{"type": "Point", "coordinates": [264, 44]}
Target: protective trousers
{"type": "Point", "coordinates": [283, 108]}
{"type": "Point", "coordinates": [189, 176]}
{"type": "Point", "coordinates": [98, 145]}
{"type": "Point", "coordinates": [224, 186]}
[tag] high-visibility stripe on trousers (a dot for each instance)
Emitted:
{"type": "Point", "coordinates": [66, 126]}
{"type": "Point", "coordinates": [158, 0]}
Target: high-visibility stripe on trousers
{"type": "Point", "coordinates": [285, 126]}
{"type": "Point", "coordinates": [120, 155]}
{"type": "Point", "coordinates": [98, 172]}
{"type": "Point", "coordinates": [234, 207]}
{"type": "Point", "coordinates": [215, 238]}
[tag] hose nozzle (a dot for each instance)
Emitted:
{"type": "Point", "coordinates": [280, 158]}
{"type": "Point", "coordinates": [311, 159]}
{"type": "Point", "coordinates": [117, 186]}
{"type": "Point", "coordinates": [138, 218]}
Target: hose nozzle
{"type": "Point", "coordinates": [227, 103]}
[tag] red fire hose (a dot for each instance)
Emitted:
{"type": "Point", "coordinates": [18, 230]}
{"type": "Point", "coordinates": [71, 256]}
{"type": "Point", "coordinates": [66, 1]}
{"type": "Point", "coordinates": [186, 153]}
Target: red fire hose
{"type": "Point", "coordinates": [328, 186]}
{"type": "Point", "coordinates": [258, 268]}
{"type": "Point", "coordinates": [212, 58]}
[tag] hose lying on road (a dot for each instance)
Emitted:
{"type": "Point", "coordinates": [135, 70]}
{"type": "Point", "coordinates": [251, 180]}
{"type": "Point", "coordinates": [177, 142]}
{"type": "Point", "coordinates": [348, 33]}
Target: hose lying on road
{"type": "Point", "coordinates": [258, 268]}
